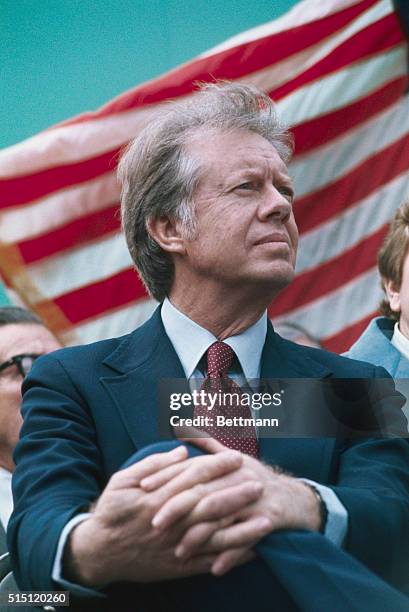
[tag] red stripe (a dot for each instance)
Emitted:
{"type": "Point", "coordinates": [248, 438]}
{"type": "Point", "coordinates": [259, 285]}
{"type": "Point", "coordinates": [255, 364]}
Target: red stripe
{"type": "Point", "coordinates": [308, 135]}
{"type": "Point", "coordinates": [231, 63]}
{"type": "Point", "coordinates": [100, 297]}
{"type": "Point", "coordinates": [343, 340]}
{"type": "Point", "coordinates": [331, 275]}
{"type": "Point", "coordinates": [334, 198]}
{"type": "Point", "coordinates": [83, 230]}
{"type": "Point", "coordinates": [26, 188]}
{"type": "Point", "coordinates": [379, 36]}
{"type": "Point", "coordinates": [322, 129]}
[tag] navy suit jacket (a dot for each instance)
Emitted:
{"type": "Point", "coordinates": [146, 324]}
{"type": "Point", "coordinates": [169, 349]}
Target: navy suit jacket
{"type": "Point", "coordinates": [87, 409]}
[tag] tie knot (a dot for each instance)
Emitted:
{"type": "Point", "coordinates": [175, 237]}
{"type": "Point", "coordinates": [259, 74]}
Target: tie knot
{"type": "Point", "coordinates": [219, 359]}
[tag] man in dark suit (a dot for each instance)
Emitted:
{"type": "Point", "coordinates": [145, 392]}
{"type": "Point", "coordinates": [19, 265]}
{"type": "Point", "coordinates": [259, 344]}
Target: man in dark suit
{"type": "Point", "coordinates": [246, 520]}
{"type": "Point", "coordinates": [23, 338]}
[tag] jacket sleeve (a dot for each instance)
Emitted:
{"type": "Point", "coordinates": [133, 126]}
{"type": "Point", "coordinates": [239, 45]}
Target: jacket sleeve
{"type": "Point", "coordinates": [373, 484]}
{"type": "Point", "coordinates": [58, 471]}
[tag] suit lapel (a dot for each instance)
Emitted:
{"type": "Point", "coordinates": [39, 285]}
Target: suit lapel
{"type": "Point", "coordinates": [147, 357]}
{"type": "Point", "coordinates": [142, 361]}
{"type": "Point", "coordinates": [310, 457]}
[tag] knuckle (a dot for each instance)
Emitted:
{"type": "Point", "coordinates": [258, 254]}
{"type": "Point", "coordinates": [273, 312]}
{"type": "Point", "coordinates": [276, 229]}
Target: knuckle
{"type": "Point", "coordinates": [154, 461]}
{"type": "Point", "coordinates": [199, 490]}
{"type": "Point", "coordinates": [116, 479]}
{"type": "Point", "coordinates": [249, 474]}
{"type": "Point", "coordinates": [145, 503]}
{"type": "Point", "coordinates": [201, 472]}
{"type": "Point", "coordinates": [229, 456]}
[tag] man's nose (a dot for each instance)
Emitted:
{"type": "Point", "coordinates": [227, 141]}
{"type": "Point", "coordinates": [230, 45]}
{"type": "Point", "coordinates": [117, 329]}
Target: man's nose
{"type": "Point", "coordinates": [275, 205]}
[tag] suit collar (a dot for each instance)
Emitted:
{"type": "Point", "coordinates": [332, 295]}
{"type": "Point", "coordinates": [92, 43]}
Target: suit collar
{"type": "Point", "coordinates": [149, 345]}
{"type": "Point", "coordinates": [143, 358]}
{"type": "Point", "coordinates": [147, 356]}
{"type": "Point", "coordinates": [248, 345]}
{"type": "Point", "coordinates": [375, 347]}
{"type": "Point", "coordinates": [284, 359]}
{"type": "Point", "coordinates": [148, 348]}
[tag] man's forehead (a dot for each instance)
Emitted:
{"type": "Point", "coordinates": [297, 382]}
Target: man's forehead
{"type": "Point", "coordinates": [26, 337]}
{"type": "Point", "coordinates": [236, 150]}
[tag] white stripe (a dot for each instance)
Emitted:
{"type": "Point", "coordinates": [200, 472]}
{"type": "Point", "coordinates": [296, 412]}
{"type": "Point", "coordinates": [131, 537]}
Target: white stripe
{"type": "Point", "coordinates": [118, 323]}
{"type": "Point", "coordinates": [333, 160]}
{"type": "Point", "coordinates": [350, 227]}
{"type": "Point", "coordinates": [330, 314]}
{"type": "Point", "coordinates": [304, 12]}
{"type": "Point", "coordinates": [73, 143]}
{"type": "Point", "coordinates": [93, 262]}
{"type": "Point", "coordinates": [74, 269]}
{"type": "Point", "coordinates": [270, 78]}
{"type": "Point", "coordinates": [342, 87]}
{"type": "Point", "coordinates": [74, 202]}
{"type": "Point", "coordinates": [58, 209]}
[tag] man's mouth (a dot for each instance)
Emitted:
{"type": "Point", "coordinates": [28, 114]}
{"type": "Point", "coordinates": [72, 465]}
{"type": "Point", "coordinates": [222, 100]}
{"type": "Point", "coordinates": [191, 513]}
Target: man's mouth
{"type": "Point", "coordinates": [276, 237]}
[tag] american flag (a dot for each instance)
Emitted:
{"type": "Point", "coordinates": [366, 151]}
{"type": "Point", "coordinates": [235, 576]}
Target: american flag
{"type": "Point", "coordinates": [338, 72]}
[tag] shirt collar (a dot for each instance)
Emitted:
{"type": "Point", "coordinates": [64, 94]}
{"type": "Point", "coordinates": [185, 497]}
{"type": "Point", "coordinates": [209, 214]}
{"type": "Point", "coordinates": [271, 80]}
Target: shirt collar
{"type": "Point", "coordinates": [191, 341]}
{"type": "Point", "coordinates": [400, 341]}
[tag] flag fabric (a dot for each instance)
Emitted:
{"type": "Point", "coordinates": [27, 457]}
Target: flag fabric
{"type": "Point", "coordinates": [338, 72]}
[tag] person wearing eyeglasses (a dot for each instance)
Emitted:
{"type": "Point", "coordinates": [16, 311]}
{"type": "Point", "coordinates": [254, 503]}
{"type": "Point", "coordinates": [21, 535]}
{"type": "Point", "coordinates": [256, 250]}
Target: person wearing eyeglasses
{"type": "Point", "coordinates": [23, 338]}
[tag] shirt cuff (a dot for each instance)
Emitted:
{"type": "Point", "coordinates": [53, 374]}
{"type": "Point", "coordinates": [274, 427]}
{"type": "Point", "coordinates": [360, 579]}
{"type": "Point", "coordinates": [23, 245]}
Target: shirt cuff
{"type": "Point", "coordinates": [337, 519]}
{"type": "Point", "coordinates": [57, 571]}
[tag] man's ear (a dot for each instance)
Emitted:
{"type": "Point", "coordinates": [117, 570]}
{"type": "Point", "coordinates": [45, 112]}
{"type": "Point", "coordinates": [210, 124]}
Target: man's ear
{"type": "Point", "coordinates": [393, 294]}
{"type": "Point", "coordinates": [167, 232]}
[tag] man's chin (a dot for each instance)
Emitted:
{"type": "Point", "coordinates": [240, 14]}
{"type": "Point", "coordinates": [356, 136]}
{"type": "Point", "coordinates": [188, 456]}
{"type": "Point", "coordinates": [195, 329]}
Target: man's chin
{"type": "Point", "coordinates": [273, 283]}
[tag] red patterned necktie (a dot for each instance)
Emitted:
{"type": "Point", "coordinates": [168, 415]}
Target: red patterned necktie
{"type": "Point", "coordinates": [239, 437]}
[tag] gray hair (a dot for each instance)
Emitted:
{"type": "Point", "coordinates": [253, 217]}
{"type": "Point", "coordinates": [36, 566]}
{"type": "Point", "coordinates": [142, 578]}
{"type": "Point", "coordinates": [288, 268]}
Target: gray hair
{"type": "Point", "coordinates": [10, 315]}
{"type": "Point", "coordinates": [159, 177]}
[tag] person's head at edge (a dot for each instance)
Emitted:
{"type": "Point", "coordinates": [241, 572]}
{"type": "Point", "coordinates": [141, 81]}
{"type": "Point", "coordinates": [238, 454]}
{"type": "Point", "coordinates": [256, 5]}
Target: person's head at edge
{"type": "Point", "coordinates": [23, 336]}
{"type": "Point", "coordinates": [393, 264]}
{"type": "Point", "coordinates": [207, 206]}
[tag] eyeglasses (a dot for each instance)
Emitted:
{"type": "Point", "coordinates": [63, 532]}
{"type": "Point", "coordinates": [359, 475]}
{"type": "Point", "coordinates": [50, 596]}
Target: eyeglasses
{"type": "Point", "coordinates": [24, 363]}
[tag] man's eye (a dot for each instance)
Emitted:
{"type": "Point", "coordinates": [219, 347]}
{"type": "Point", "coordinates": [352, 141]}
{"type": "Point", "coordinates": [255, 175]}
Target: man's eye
{"type": "Point", "coordinates": [245, 186]}
{"type": "Point", "coordinates": [287, 192]}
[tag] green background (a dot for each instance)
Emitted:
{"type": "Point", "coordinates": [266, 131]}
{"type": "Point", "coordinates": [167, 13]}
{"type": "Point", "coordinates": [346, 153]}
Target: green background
{"type": "Point", "coordinates": [59, 58]}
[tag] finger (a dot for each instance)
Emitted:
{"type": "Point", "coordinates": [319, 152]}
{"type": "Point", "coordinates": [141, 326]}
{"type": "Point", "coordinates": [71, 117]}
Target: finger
{"type": "Point", "coordinates": [154, 481]}
{"type": "Point", "coordinates": [132, 475]}
{"type": "Point", "coordinates": [201, 564]}
{"type": "Point", "coordinates": [246, 534]}
{"type": "Point", "coordinates": [224, 502]}
{"type": "Point", "coordinates": [231, 558]}
{"type": "Point", "coordinates": [194, 539]}
{"type": "Point", "coordinates": [214, 506]}
{"type": "Point", "coordinates": [195, 437]}
{"type": "Point", "coordinates": [175, 508]}
{"type": "Point", "coordinates": [202, 470]}
{"type": "Point", "coordinates": [205, 538]}
{"type": "Point", "coordinates": [197, 535]}
{"type": "Point", "coordinates": [183, 431]}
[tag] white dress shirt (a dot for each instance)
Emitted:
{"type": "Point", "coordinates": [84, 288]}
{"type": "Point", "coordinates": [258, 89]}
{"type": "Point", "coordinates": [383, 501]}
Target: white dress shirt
{"type": "Point", "coordinates": [6, 497]}
{"type": "Point", "coordinates": [399, 341]}
{"type": "Point", "coordinates": [190, 342]}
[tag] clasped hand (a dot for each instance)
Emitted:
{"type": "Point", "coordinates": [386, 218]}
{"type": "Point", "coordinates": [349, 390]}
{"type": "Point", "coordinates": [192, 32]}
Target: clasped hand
{"type": "Point", "coordinates": [171, 516]}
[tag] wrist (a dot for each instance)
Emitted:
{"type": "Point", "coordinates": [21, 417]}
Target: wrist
{"type": "Point", "coordinates": [83, 562]}
{"type": "Point", "coordinates": [319, 513]}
